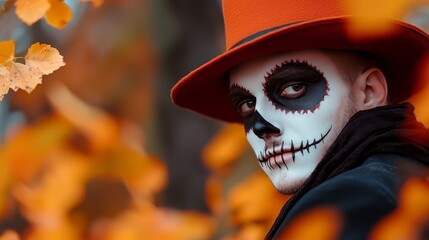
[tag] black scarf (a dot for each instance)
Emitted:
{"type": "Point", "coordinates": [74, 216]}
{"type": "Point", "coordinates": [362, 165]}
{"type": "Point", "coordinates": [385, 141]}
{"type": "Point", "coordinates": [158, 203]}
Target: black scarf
{"type": "Point", "coordinates": [388, 129]}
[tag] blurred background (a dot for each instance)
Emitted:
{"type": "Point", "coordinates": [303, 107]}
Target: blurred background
{"type": "Point", "coordinates": [98, 151]}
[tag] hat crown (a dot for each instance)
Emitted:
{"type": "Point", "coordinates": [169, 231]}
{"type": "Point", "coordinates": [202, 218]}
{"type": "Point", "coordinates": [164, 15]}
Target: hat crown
{"type": "Point", "coordinates": [244, 18]}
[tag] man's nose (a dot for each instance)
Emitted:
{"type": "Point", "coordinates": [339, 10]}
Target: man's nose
{"type": "Point", "coordinates": [261, 127]}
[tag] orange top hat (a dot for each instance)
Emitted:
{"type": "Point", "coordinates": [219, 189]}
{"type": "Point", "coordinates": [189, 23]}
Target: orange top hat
{"type": "Point", "coordinates": [259, 27]}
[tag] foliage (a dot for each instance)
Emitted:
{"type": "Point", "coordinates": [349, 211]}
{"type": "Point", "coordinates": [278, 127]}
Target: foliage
{"type": "Point", "coordinates": [41, 59]}
{"type": "Point", "coordinates": [79, 171]}
{"type": "Point", "coordinates": [56, 12]}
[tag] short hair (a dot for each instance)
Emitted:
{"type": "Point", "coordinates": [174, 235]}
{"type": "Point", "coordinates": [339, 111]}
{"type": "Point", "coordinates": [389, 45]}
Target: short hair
{"type": "Point", "coordinates": [351, 63]}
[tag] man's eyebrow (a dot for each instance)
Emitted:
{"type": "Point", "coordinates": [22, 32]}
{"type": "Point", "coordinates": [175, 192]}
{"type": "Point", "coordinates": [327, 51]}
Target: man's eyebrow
{"type": "Point", "coordinates": [235, 88]}
{"type": "Point", "coordinates": [291, 68]}
{"type": "Point", "coordinates": [237, 93]}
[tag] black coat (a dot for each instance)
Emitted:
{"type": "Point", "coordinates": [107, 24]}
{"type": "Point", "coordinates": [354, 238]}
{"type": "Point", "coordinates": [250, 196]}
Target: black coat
{"type": "Point", "coordinates": [364, 195]}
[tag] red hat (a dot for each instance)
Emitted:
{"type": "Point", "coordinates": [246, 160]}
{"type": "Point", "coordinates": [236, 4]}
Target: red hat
{"type": "Point", "coordinates": [255, 28]}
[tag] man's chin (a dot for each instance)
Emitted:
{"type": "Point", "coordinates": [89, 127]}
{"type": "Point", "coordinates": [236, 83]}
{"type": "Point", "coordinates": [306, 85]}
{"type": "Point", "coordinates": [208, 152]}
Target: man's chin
{"type": "Point", "coordinates": [290, 187]}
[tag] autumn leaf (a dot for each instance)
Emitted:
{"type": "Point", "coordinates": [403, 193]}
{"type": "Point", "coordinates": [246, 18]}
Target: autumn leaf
{"type": "Point", "coordinates": [31, 11]}
{"type": "Point", "coordinates": [9, 235]}
{"type": "Point", "coordinates": [56, 12]}
{"type": "Point", "coordinates": [23, 77]}
{"type": "Point", "coordinates": [59, 14]}
{"type": "Point", "coordinates": [249, 232]}
{"type": "Point", "coordinates": [7, 52]}
{"type": "Point", "coordinates": [41, 198]}
{"type": "Point", "coordinates": [246, 208]}
{"type": "Point", "coordinates": [214, 193]}
{"type": "Point", "coordinates": [325, 224]}
{"type": "Point", "coordinates": [225, 147]}
{"type": "Point", "coordinates": [95, 3]}
{"type": "Point", "coordinates": [4, 81]}
{"type": "Point", "coordinates": [410, 219]}
{"type": "Point", "coordinates": [374, 17]}
{"type": "Point", "coordinates": [157, 223]}
{"type": "Point", "coordinates": [94, 123]}
{"type": "Point", "coordinates": [43, 58]}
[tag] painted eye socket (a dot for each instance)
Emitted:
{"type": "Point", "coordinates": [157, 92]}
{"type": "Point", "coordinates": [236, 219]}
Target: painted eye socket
{"type": "Point", "coordinates": [294, 90]}
{"type": "Point", "coordinates": [246, 107]}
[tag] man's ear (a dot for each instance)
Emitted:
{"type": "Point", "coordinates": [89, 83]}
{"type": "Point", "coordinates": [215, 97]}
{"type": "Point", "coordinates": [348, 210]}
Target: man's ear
{"type": "Point", "coordinates": [370, 89]}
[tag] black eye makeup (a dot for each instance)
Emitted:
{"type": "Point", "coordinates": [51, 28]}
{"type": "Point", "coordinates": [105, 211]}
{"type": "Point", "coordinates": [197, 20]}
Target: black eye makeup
{"type": "Point", "coordinates": [244, 102]}
{"type": "Point", "coordinates": [296, 87]}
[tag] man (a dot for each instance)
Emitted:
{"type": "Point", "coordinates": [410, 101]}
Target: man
{"type": "Point", "coordinates": [321, 110]}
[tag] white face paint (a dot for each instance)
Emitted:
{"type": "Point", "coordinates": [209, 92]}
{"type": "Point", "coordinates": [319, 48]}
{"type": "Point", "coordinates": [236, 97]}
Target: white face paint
{"type": "Point", "coordinates": [293, 107]}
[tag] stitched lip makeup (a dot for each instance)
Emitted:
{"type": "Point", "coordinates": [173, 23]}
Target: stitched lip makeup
{"type": "Point", "coordinates": [279, 155]}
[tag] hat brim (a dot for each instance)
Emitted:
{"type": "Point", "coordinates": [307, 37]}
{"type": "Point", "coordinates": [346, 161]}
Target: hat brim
{"type": "Point", "coordinates": [205, 90]}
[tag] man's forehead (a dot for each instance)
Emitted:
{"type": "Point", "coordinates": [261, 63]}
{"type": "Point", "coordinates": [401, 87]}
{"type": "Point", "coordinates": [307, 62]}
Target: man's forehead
{"type": "Point", "coordinates": [261, 67]}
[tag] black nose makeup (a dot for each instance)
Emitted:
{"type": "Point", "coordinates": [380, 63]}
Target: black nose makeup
{"type": "Point", "coordinates": [262, 126]}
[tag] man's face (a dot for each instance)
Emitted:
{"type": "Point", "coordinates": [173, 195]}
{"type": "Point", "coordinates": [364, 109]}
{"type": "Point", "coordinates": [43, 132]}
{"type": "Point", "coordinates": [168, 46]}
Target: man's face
{"type": "Point", "coordinates": [293, 107]}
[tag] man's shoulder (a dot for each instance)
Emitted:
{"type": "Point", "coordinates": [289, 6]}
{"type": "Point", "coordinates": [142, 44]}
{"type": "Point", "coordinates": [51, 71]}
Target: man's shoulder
{"type": "Point", "coordinates": [387, 171]}
{"type": "Point", "coordinates": [380, 176]}
{"type": "Point", "coordinates": [364, 194]}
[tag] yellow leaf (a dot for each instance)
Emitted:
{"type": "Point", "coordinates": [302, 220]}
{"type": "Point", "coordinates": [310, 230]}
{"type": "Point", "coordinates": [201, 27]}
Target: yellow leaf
{"type": "Point", "coordinates": [4, 81]}
{"type": "Point", "coordinates": [9, 235]}
{"type": "Point", "coordinates": [246, 208]}
{"type": "Point", "coordinates": [41, 199]}
{"type": "Point", "coordinates": [226, 147]}
{"type": "Point", "coordinates": [59, 14]}
{"type": "Point", "coordinates": [214, 195]}
{"type": "Point", "coordinates": [409, 220]}
{"type": "Point", "coordinates": [24, 77]}
{"type": "Point", "coordinates": [95, 3]}
{"type": "Point", "coordinates": [325, 224]}
{"type": "Point", "coordinates": [7, 50]}
{"type": "Point", "coordinates": [30, 11]}
{"type": "Point", "coordinates": [373, 17]}
{"type": "Point", "coordinates": [97, 125]}
{"type": "Point", "coordinates": [158, 223]}
{"type": "Point", "coordinates": [249, 232]}
{"type": "Point", "coordinates": [43, 58]}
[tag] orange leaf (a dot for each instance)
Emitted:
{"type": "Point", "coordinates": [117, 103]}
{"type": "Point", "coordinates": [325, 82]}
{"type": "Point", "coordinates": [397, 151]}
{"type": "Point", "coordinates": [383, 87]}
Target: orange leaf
{"type": "Point", "coordinates": [59, 14]}
{"type": "Point", "coordinates": [30, 11]}
{"type": "Point", "coordinates": [4, 81]}
{"type": "Point", "coordinates": [7, 50]}
{"type": "Point", "coordinates": [160, 224]}
{"type": "Point", "coordinates": [249, 232]}
{"type": "Point", "coordinates": [408, 221]}
{"type": "Point", "coordinates": [246, 208]}
{"type": "Point", "coordinates": [95, 3]}
{"type": "Point", "coordinates": [144, 175]}
{"type": "Point", "coordinates": [373, 17]}
{"type": "Point", "coordinates": [214, 193]}
{"type": "Point", "coordinates": [43, 58]}
{"type": "Point", "coordinates": [24, 77]}
{"type": "Point", "coordinates": [9, 235]}
{"type": "Point", "coordinates": [225, 147]}
{"type": "Point", "coordinates": [323, 223]}
{"type": "Point", "coordinates": [94, 123]}
{"type": "Point", "coordinates": [60, 188]}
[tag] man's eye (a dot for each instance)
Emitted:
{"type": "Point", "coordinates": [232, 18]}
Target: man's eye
{"type": "Point", "coordinates": [247, 107]}
{"type": "Point", "coordinates": [292, 91]}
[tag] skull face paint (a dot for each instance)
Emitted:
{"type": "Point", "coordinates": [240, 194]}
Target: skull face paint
{"type": "Point", "coordinates": [293, 106]}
